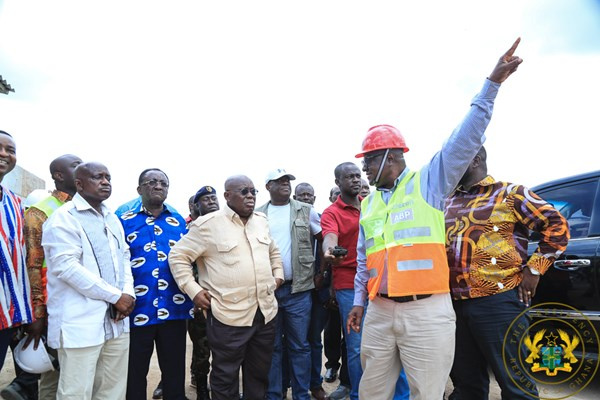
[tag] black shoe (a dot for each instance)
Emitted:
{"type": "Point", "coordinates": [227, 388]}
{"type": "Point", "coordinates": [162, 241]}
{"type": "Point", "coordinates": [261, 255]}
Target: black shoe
{"type": "Point", "coordinates": [158, 393]}
{"type": "Point", "coordinates": [202, 391]}
{"type": "Point", "coordinates": [331, 375]}
{"type": "Point", "coordinates": [14, 391]}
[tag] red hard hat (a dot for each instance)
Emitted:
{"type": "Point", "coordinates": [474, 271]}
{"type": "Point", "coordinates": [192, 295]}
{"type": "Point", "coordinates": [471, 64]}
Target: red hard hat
{"type": "Point", "coordinates": [382, 137]}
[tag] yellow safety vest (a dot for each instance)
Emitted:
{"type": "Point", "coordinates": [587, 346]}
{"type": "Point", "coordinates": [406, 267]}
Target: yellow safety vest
{"type": "Point", "coordinates": [407, 235]}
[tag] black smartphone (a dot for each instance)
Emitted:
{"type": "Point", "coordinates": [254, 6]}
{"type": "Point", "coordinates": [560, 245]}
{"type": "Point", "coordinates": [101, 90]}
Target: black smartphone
{"type": "Point", "coordinates": [339, 251]}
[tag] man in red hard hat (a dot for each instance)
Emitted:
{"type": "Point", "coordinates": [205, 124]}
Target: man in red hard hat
{"type": "Point", "coordinates": [402, 264]}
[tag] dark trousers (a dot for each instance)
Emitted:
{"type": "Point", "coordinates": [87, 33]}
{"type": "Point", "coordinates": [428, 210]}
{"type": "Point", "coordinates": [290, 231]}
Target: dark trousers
{"type": "Point", "coordinates": [5, 338]}
{"type": "Point", "coordinates": [481, 324]}
{"type": "Point", "coordinates": [169, 338]}
{"type": "Point", "coordinates": [27, 382]}
{"type": "Point", "coordinates": [250, 347]}
{"type": "Point", "coordinates": [335, 346]}
{"type": "Point", "coordinates": [200, 350]}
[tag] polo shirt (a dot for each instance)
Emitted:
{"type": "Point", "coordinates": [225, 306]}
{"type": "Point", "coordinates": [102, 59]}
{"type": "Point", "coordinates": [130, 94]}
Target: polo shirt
{"type": "Point", "coordinates": [342, 220]}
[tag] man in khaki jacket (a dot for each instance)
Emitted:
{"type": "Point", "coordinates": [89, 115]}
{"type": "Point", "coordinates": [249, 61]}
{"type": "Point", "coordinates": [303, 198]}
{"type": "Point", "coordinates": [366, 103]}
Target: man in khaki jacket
{"type": "Point", "coordinates": [239, 268]}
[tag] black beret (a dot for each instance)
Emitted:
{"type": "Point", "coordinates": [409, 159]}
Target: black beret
{"type": "Point", "coordinates": [204, 190]}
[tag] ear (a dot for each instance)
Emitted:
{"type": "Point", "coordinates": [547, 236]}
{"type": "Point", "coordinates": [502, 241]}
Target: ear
{"type": "Point", "coordinates": [226, 194]}
{"type": "Point", "coordinates": [294, 197]}
{"type": "Point", "coordinates": [78, 185]}
{"type": "Point", "coordinates": [268, 186]}
{"type": "Point", "coordinates": [476, 161]}
{"type": "Point", "coordinates": [337, 182]}
{"type": "Point", "coordinates": [139, 190]}
{"type": "Point", "coordinates": [57, 176]}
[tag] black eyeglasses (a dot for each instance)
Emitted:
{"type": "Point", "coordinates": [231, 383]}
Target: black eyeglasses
{"type": "Point", "coordinates": [154, 183]}
{"type": "Point", "coordinates": [246, 190]}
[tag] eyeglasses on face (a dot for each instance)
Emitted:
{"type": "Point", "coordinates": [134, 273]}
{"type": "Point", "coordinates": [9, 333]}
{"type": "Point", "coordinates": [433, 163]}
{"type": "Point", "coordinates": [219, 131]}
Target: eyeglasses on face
{"type": "Point", "coordinates": [246, 190]}
{"type": "Point", "coordinates": [367, 160]}
{"type": "Point", "coordinates": [153, 183]}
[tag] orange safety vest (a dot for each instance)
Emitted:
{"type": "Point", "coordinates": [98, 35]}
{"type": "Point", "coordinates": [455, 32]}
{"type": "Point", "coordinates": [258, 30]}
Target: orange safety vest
{"type": "Point", "coordinates": [406, 236]}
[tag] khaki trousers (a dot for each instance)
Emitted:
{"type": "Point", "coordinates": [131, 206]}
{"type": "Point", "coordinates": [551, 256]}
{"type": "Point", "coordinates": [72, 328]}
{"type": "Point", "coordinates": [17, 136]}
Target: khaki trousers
{"type": "Point", "coordinates": [96, 372]}
{"type": "Point", "coordinates": [49, 381]}
{"type": "Point", "coordinates": [417, 336]}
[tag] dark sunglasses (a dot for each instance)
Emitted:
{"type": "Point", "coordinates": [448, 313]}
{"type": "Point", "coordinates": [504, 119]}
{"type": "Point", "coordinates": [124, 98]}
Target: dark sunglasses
{"type": "Point", "coordinates": [246, 190]}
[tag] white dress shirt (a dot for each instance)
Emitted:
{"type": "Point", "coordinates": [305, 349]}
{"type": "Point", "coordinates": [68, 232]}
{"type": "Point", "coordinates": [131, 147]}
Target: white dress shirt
{"type": "Point", "coordinates": [78, 298]}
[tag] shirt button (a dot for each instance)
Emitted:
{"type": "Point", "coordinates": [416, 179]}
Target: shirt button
{"type": "Point", "coordinates": [500, 285]}
{"type": "Point", "coordinates": [495, 228]}
{"type": "Point", "coordinates": [493, 260]}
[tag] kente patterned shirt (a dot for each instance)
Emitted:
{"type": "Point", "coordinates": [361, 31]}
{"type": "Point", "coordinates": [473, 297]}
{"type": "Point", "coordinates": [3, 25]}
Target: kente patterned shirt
{"type": "Point", "coordinates": [34, 219]}
{"type": "Point", "coordinates": [150, 239]}
{"type": "Point", "coordinates": [15, 293]}
{"type": "Point", "coordinates": [487, 230]}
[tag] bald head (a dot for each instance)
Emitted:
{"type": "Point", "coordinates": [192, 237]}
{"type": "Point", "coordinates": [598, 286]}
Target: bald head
{"type": "Point", "coordinates": [234, 181]}
{"type": "Point", "coordinates": [92, 181]}
{"type": "Point", "coordinates": [334, 193]}
{"type": "Point", "coordinates": [62, 171]}
{"type": "Point", "coordinates": [305, 193]}
{"type": "Point", "coordinates": [240, 195]}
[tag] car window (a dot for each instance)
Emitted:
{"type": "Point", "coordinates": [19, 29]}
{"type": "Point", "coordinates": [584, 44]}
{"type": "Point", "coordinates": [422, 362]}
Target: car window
{"type": "Point", "coordinates": [575, 202]}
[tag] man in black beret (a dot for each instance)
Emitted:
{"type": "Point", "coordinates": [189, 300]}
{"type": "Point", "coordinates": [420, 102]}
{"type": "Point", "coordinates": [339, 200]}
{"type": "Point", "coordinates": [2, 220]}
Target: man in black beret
{"type": "Point", "coordinates": [205, 201]}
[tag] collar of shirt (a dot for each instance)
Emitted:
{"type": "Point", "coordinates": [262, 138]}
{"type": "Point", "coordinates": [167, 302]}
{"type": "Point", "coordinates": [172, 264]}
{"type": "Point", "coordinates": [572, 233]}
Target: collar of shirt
{"type": "Point", "coordinates": [487, 181]}
{"type": "Point", "coordinates": [341, 204]}
{"type": "Point", "coordinates": [61, 196]}
{"type": "Point", "coordinates": [396, 182]}
{"type": "Point", "coordinates": [166, 208]}
{"type": "Point", "coordinates": [232, 215]}
{"type": "Point", "coordinates": [81, 204]}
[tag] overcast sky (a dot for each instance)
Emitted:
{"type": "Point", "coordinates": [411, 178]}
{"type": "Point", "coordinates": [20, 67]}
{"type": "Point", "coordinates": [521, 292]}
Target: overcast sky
{"type": "Point", "coordinates": [205, 90]}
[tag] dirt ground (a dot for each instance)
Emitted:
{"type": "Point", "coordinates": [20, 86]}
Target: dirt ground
{"type": "Point", "coordinates": [8, 372]}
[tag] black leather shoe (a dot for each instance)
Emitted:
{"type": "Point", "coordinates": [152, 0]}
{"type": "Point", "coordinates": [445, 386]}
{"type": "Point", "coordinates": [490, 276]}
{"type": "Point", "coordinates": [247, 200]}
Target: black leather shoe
{"type": "Point", "coordinates": [14, 392]}
{"type": "Point", "coordinates": [157, 394]}
{"type": "Point", "coordinates": [331, 375]}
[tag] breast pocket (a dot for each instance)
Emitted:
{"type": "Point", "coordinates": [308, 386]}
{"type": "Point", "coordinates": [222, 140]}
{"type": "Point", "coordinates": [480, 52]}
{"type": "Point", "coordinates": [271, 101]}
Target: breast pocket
{"type": "Point", "coordinates": [227, 253]}
{"type": "Point", "coordinates": [302, 231]}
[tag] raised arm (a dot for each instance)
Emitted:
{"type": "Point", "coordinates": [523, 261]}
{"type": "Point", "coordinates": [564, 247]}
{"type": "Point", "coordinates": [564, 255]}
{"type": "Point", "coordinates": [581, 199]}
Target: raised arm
{"type": "Point", "coordinates": [442, 174]}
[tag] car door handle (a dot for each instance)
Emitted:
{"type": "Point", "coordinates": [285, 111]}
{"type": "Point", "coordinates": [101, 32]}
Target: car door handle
{"type": "Point", "coordinates": [571, 265]}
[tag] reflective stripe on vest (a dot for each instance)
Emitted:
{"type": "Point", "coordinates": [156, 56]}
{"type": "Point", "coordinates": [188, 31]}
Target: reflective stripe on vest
{"type": "Point", "coordinates": [408, 236]}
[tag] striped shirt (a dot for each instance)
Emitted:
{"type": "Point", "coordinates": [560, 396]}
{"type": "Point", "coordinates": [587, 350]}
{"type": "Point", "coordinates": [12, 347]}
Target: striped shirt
{"type": "Point", "coordinates": [15, 299]}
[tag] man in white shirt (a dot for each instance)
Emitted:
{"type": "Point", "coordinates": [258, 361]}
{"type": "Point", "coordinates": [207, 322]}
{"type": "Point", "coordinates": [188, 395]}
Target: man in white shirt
{"type": "Point", "coordinates": [90, 290]}
{"type": "Point", "coordinates": [293, 225]}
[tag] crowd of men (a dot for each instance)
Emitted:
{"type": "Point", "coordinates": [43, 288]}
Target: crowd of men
{"type": "Point", "coordinates": [422, 277]}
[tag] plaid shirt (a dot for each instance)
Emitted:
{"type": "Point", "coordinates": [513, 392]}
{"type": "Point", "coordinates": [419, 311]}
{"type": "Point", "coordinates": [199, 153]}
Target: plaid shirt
{"type": "Point", "coordinates": [487, 230]}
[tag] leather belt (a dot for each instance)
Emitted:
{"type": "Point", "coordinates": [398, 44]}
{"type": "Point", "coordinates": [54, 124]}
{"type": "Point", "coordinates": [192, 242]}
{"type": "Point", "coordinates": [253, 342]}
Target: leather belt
{"type": "Point", "coordinates": [404, 299]}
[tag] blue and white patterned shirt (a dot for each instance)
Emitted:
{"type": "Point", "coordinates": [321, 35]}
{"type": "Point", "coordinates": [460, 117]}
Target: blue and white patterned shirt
{"type": "Point", "coordinates": [150, 239]}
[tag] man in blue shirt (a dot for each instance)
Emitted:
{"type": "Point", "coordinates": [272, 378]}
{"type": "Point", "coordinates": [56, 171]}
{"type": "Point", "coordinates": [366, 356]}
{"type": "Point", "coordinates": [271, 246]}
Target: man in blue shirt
{"type": "Point", "coordinates": [410, 322]}
{"type": "Point", "coordinates": [161, 310]}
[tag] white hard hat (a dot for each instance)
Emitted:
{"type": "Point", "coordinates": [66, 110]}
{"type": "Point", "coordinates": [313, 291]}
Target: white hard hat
{"type": "Point", "coordinates": [33, 361]}
{"type": "Point", "coordinates": [35, 197]}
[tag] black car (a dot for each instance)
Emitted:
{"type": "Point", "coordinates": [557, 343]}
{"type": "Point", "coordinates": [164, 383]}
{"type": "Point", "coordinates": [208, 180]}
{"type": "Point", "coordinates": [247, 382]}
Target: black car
{"type": "Point", "coordinates": [568, 294]}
